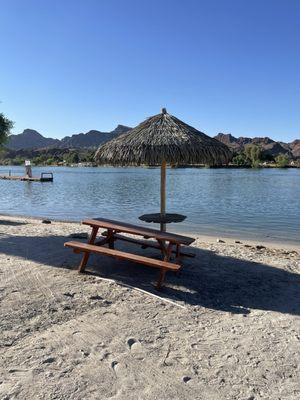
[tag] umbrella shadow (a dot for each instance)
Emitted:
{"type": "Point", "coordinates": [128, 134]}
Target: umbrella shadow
{"type": "Point", "coordinates": [210, 280]}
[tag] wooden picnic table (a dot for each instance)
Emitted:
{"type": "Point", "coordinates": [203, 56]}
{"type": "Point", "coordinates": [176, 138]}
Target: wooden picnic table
{"type": "Point", "coordinates": [167, 243]}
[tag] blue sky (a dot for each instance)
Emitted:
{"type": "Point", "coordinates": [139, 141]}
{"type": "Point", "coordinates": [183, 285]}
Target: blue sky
{"type": "Point", "coordinates": [220, 65]}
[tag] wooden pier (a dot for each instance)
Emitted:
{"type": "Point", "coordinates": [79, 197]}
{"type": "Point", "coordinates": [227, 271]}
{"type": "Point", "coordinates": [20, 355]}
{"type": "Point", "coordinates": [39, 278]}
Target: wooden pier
{"type": "Point", "coordinates": [45, 177]}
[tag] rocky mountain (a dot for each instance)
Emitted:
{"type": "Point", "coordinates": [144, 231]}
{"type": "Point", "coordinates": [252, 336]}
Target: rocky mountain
{"type": "Point", "coordinates": [269, 147]}
{"type": "Point", "coordinates": [295, 146]}
{"type": "Point", "coordinates": [92, 138]}
{"type": "Point", "coordinates": [235, 144]}
{"type": "Point", "coordinates": [31, 139]}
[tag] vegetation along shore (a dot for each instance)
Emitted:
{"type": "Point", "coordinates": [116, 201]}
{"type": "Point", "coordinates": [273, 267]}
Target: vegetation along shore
{"type": "Point", "coordinates": [80, 149]}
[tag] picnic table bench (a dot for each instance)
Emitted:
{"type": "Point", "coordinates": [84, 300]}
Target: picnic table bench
{"type": "Point", "coordinates": [167, 243]}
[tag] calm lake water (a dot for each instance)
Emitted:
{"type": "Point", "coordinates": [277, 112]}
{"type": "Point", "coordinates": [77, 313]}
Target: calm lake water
{"type": "Point", "coordinates": [249, 204]}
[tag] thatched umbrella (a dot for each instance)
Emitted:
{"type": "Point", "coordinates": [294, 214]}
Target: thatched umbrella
{"type": "Point", "coordinates": [160, 140]}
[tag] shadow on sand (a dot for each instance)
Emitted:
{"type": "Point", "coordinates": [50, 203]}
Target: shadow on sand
{"type": "Point", "coordinates": [11, 223]}
{"type": "Point", "coordinates": [209, 280]}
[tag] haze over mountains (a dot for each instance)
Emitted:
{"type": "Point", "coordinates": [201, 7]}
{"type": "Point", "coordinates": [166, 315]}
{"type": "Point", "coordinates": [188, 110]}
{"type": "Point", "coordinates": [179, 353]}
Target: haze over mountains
{"type": "Point", "coordinates": [31, 139]}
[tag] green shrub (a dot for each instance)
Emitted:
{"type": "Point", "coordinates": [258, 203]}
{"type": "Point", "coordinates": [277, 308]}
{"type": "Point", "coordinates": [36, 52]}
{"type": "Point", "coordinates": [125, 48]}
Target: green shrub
{"type": "Point", "coordinates": [254, 154]}
{"type": "Point", "coordinates": [240, 159]}
{"type": "Point", "coordinates": [282, 160]}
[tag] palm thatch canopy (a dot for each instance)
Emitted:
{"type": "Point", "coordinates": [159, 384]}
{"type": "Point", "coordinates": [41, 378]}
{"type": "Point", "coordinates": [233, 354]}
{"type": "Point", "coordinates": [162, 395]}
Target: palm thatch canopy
{"type": "Point", "coordinates": [163, 138]}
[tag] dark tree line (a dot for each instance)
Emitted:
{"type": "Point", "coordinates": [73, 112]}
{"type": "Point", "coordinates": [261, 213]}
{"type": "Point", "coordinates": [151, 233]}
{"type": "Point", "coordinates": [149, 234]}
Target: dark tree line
{"type": "Point", "coordinates": [5, 127]}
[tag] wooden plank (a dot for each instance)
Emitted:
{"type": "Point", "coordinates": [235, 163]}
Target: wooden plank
{"type": "Point", "coordinates": [151, 262]}
{"type": "Point", "coordinates": [144, 244]}
{"type": "Point", "coordinates": [118, 226]}
{"type": "Point", "coordinates": [26, 178]}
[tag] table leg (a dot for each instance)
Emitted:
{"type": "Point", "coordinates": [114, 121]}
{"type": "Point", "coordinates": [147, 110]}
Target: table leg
{"type": "Point", "coordinates": [178, 256]}
{"type": "Point", "coordinates": [178, 252]}
{"type": "Point", "coordinates": [166, 252]}
{"type": "Point", "coordinates": [110, 238]}
{"type": "Point", "coordinates": [162, 247]}
{"type": "Point", "coordinates": [86, 256]}
{"type": "Point", "coordinates": [161, 278]}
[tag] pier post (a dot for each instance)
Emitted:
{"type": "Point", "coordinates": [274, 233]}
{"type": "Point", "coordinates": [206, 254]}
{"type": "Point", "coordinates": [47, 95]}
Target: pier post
{"type": "Point", "coordinates": [28, 171]}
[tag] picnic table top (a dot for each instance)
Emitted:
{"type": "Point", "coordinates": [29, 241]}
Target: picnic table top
{"type": "Point", "coordinates": [138, 230]}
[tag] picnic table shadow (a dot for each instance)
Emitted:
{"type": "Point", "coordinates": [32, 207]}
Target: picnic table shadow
{"type": "Point", "coordinates": [209, 280]}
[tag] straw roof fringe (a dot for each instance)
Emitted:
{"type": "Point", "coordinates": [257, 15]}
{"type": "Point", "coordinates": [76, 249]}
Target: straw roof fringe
{"type": "Point", "coordinates": [163, 137]}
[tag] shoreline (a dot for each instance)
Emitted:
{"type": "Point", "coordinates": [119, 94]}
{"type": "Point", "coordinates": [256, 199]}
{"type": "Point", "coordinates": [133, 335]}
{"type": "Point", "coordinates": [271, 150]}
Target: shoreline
{"type": "Point", "coordinates": [248, 242]}
{"type": "Point", "coordinates": [200, 166]}
{"type": "Point", "coordinates": [237, 240]}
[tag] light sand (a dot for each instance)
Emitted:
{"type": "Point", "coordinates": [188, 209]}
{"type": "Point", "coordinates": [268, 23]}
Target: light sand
{"type": "Point", "coordinates": [226, 327]}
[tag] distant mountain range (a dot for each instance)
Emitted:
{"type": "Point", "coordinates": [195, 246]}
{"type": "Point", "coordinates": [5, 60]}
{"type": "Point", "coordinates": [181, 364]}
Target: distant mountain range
{"type": "Point", "coordinates": [31, 139]}
{"type": "Point", "coordinates": [269, 147]}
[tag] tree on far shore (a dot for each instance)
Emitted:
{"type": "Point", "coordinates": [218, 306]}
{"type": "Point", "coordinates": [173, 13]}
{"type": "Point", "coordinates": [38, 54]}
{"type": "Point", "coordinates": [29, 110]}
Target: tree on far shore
{"type": "Point", "coordinates": [254, 154]}
{"type": "Point", "coordinates": [241, 159]}
{"type": "Point", "coordinates": [5, 127]}
{"type": "Point", "coordinates": [282, 160]}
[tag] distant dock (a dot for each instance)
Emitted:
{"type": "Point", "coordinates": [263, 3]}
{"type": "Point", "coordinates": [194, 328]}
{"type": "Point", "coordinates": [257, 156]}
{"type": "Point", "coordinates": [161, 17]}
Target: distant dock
{"type": "Point", "coordinates": [44, 177]}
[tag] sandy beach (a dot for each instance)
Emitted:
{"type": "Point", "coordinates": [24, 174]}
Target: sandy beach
{"type": "Point", "coordinates": [226, 327]}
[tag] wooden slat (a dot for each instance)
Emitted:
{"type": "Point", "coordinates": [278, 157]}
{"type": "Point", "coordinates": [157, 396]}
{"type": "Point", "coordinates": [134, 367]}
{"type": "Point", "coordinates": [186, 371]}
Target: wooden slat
{"type": "Point", "coordinates": [138, 230]}
{"type": "Point", "coordinates": [151, 262]}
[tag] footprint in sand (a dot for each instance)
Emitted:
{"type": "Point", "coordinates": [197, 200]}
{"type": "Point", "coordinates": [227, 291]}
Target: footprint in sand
{"type": "Point", "coordinates": [119, 369]}
{"type": "Point", "coordinates": [114, 365]}
{"type": "Point", "coordinates": [135, 347]}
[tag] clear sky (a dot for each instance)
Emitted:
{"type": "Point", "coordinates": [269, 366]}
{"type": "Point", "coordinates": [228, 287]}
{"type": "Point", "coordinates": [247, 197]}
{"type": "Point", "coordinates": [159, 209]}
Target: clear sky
{"type": "Point", "coordinates": [68, 66]}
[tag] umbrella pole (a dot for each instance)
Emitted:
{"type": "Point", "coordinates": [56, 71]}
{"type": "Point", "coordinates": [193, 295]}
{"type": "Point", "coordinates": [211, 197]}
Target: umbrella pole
{"type": "Point", "coordinates": [163, 193]}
